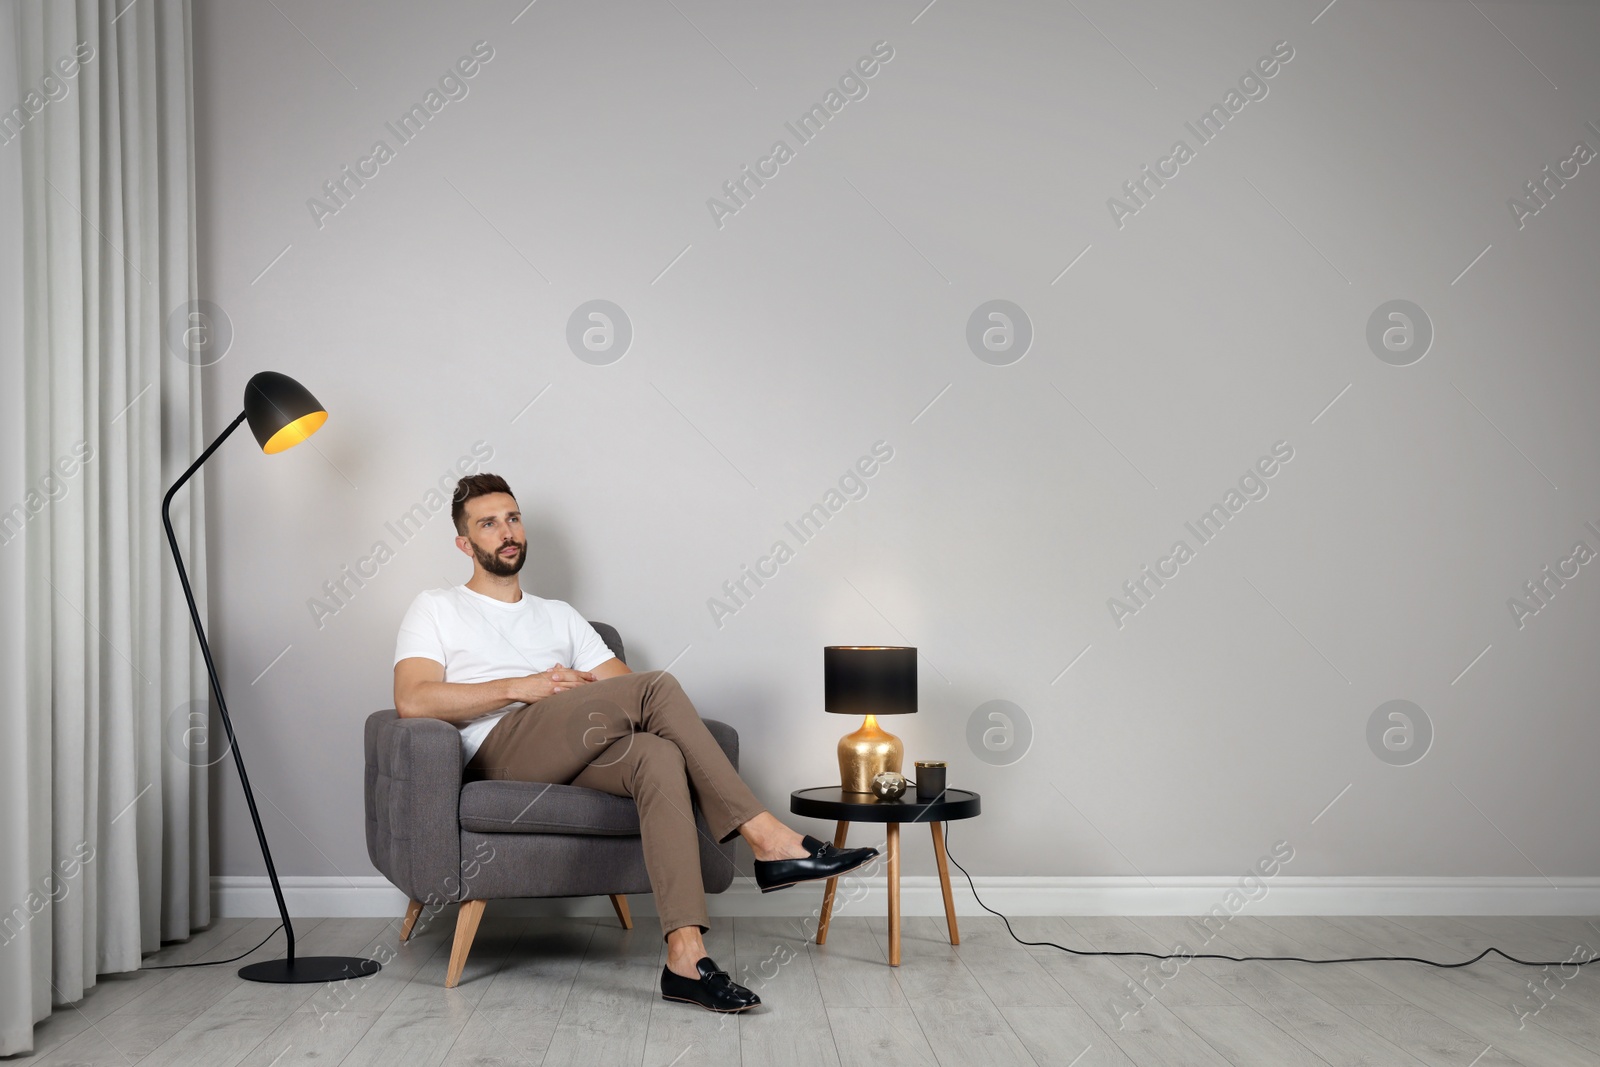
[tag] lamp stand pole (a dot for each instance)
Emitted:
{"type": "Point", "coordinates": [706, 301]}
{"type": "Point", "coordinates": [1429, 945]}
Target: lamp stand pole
{"type": "Point", "coordinates": [289, 969]}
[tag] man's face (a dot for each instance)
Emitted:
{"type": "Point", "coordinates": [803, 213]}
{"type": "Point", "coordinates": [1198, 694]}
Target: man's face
{"type": "Point", "coordinates": [494, 533]}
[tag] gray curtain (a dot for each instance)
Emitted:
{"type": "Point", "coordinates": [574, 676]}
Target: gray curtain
{"type": "Point", "coordinates": [103, 820]}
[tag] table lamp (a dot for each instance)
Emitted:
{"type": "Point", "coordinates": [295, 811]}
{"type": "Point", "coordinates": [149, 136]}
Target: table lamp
{"type": "Point", "coordinates": [868, 680]}
{"type": "Point", "coordinates": [282, 413]}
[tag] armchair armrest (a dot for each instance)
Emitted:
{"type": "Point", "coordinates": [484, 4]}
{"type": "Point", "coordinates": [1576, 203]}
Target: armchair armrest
{"type": "Point", "coordinates": [413, 804]}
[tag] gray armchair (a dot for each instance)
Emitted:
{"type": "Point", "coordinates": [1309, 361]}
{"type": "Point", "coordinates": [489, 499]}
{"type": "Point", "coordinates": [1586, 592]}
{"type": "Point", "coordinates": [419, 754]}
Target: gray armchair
{"type": "Point", "coordinates": [442, 840]}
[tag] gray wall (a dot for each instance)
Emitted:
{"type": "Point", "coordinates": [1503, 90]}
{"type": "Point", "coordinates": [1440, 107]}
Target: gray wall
{"type": "Point", "coordinates": [1222, 317]}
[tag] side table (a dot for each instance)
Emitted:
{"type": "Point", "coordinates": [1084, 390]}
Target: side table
{"type": "Point", "coordinates": [831, 802]}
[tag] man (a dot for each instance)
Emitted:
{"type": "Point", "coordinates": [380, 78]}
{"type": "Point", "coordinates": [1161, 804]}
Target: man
{"type": "Point", "coordinates": [494, 661]}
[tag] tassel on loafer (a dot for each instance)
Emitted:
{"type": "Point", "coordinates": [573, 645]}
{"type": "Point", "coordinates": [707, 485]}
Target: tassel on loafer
{"type": "Point", "coordinates": [825, 861]}
{"type": "Point", "coordinates": [714, 990]}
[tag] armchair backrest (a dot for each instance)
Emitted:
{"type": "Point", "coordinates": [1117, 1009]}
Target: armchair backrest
{"type": "Point", "coordinates": [609, 635]}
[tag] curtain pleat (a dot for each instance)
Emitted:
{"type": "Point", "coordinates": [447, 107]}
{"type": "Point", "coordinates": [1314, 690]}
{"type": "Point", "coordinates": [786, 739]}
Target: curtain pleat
{"type": "Point", "coordinates": [105, 780]}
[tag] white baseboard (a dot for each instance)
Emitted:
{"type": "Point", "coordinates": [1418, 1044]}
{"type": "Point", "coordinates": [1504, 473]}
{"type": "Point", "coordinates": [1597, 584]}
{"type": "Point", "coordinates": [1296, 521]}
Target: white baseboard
{"type": "Point", "coordinates": [235, 896]}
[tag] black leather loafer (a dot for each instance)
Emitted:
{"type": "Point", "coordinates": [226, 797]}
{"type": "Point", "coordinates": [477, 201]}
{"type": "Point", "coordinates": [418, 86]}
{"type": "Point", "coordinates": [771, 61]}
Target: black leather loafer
{"type": "Point", "coordinates": [825, 861]}
{"type": "Point", "coordinates": [713, 990]}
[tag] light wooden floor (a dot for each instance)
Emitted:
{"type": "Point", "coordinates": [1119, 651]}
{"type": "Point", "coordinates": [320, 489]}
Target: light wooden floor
{"type": "Point", "coordinates": [557, 992]}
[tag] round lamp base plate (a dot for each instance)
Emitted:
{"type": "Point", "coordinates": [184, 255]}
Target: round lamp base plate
{"type": "Point", "coordinates": [309, 969]}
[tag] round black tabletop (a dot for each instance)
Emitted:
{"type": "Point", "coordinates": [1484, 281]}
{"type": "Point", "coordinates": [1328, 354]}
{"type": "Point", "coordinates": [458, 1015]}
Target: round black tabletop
{"type": "Point", "coordinates": [831, 802]}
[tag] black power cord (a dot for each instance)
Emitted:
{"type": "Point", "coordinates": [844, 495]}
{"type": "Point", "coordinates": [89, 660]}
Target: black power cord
{"type": "Point", "coordinates": [1246, 959]}
{"type": "Point", "coordinates": [1104, 952]}
{"type": "Point", "coordinates": [216, 963]}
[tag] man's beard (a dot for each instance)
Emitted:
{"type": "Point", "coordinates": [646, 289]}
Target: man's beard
{"type": "Point", "coordinates": [494, 563]}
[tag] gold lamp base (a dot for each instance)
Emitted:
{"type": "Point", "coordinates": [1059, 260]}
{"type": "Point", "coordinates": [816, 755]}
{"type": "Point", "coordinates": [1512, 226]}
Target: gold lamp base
{"type": "Point", "coordinates": [866, 754]}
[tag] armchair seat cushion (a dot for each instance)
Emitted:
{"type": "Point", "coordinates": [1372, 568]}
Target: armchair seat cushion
{"type": "Point", "coordinates": [503, 807]}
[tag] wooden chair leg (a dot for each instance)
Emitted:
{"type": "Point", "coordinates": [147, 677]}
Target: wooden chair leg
{"type": "Point", "coordinates": [466, 929]}
{"type": "Point", "coordinates": [413, 910]}
{"type": "Point", "coordinates": [620, 903]}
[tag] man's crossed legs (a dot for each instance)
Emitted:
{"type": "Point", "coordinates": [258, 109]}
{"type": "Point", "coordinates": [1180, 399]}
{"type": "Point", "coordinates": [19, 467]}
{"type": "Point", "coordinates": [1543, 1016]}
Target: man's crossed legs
{"type": "Point", "coordinates": [638, 735]}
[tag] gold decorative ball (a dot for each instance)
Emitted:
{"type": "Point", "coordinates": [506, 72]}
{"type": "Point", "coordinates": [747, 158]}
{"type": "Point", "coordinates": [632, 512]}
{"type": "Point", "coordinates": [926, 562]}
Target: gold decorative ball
{"type": "Point", "coordinates": [889, 785]}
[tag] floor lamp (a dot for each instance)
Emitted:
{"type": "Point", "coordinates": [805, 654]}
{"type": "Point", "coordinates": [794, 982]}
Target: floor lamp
{"type": "Point", "coordinates": [282, 413]}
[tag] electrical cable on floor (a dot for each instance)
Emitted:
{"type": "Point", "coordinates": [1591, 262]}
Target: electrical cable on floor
{"type": "Point", "coordinates": [1246, 959]}
{"type": "Point", "coordinates": [1107, 952]}
{"type": "Point", "coordinates": [212, 963]}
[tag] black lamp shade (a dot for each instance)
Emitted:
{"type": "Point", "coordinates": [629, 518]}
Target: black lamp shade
{"type": "Point", "coordinates": [282, 412]}
{"type": "Point", "coordinates": [869, 680]}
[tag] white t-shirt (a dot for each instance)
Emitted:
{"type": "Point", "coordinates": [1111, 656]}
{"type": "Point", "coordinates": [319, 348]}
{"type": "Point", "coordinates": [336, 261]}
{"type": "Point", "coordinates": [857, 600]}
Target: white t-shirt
{"type": "Point", "coordinates": [480, 639]}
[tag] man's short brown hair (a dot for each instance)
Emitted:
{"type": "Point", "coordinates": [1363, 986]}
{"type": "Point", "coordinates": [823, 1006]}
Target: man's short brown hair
{"type": "Point", "coordinates": [474, 485]}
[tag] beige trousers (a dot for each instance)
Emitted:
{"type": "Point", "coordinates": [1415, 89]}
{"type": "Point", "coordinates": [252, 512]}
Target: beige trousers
{"type": "Point", "coordinates": [636, 735]}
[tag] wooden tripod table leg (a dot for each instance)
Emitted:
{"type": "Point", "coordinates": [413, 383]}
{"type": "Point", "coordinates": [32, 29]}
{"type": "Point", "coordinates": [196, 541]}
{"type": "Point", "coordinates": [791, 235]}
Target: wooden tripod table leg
{"type": "Point", "coordinates": [894, 894]}
{"type": "Point", "coordinates": [944, 882]}
{"type": "Point", "coordinates": [833, 884]}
